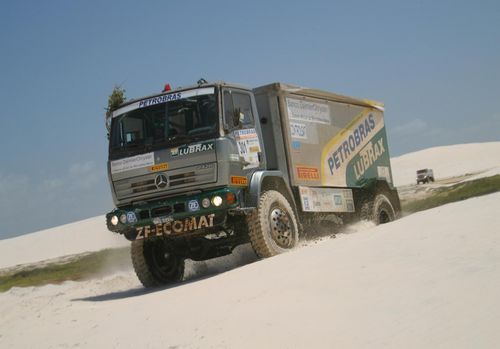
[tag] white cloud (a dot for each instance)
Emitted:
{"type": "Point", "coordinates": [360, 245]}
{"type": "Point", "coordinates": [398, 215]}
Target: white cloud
{"type": "Point", "coordinates": [82, 168]}
{"type": "Point", "coordinates": [52, 184]}
{"type": "Point", "coordinates": [85, 175]}
{"type": "Point", "coordinates": [13, 183]}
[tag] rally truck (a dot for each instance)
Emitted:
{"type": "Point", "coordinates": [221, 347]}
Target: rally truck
{"type": "Point", "coordinates": [197, 171]}
{"type": "Point", "coordinates": [425, 175]}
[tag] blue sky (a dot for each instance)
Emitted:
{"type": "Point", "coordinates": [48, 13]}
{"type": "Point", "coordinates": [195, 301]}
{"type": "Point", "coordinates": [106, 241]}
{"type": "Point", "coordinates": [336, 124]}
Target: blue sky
{"type": "Point", "coordinates": [435, 64]}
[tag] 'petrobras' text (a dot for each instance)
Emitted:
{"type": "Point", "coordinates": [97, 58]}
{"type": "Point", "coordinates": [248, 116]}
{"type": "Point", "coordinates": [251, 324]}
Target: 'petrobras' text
{"type": "Point", "coordinates": [347, 148]}
{"type": "Point", "coordinates": [160, 99]}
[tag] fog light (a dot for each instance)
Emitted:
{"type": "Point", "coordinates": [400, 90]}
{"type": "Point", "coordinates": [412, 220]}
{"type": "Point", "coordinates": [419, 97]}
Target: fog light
{"type": "Point", "coordinates": [205, 202]}
{"type": "Point", "coordinates": [123, 218]}
{"type": "Point", "coordinates": [114, 220]}
{"type": "Point", "coordinates": [217, 200]}
{"type": "Point", "coordinates": [230, 198]}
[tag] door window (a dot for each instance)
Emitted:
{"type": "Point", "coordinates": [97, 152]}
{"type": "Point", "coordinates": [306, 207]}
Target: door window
{"type": "Point", "coordinates": [237, 109]}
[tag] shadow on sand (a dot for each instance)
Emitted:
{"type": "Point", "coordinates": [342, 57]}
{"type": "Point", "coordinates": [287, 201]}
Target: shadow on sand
{"type": "Point", "coordinates": [194, 272]}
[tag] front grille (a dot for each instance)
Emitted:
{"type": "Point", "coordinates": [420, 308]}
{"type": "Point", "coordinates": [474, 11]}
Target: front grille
{"type": "Point", "coordinates": [144, 214]}
{"type": "Point", "coordinates": [180, 207]}
{"type": "Point", "coordinates": [161, 211]}
{"type": "Point", "coordinates": [144, 186]}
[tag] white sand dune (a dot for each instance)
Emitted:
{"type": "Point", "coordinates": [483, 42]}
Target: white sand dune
{"type": "Point", "coordinates": [429, 280]}
{"type": "Point", "coordinates": [448, 161]}
{"type": "Point", "coordinates": [83, 236]}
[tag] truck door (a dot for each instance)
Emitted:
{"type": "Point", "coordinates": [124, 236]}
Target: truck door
{"type": "Point", "coordinates": [239, 118]}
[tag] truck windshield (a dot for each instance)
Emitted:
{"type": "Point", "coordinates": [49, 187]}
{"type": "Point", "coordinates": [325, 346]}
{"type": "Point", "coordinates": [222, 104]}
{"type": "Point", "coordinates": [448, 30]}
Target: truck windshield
{"type": "Point", "coordinates": [186, 117]}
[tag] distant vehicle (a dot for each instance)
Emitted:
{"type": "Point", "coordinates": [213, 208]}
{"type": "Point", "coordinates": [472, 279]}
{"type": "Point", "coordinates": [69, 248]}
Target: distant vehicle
{"type": "Point", "coordinates": [425, 176]}
{"type": "Point", "coordinates": [196, 171]}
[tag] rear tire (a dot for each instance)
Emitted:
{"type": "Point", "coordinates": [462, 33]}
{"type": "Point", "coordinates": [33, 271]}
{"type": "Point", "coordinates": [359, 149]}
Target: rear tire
{"type": "Point", "coordinates": [379, 211]}
{"type": "Point", "coordinates": [155, 264]}
{"type": "Point", "coordinates": [273, 228]}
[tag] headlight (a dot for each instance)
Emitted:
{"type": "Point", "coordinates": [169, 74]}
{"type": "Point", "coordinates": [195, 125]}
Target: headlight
{"type": "Point", "coordinates": [123, 218]}
{"type": "Point", "coordinates": [217, 200]}
{"type": "Point", "coordinates": [114, 220]}
{"type": "Point", "coordinates": [205, 202]}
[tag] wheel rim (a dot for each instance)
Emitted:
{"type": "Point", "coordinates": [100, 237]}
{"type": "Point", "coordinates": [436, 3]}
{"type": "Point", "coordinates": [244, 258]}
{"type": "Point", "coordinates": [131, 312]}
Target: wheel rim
{"type": "Point", "coordinates": [165, 263]}
{"type": "Point", "coordinates": [384, 217]}
{"type": "Point", "coordinates": [281, 228]}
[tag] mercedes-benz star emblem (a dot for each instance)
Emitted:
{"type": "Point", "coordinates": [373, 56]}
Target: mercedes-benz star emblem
{"type": "Point", "coordinates": [161, 181]}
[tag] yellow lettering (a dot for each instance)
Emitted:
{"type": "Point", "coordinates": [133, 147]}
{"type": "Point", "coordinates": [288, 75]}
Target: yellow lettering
{"type": "Point", "coordinates": [190, 224]}
{"type": "Point", "coordinates": [139, 233]}
{"type": "Point", "coordinates": [177, 226]}
{"type": "Point", "coordinates": [159, 229]}
{"type": "Point", "coordinates": [377, 151]}
{"type": "Point", "coordinates": [371, 156]}
{"type": "Point", "coordinates": [167, 228]}
{"type": "Point", "coordinates": [203, 222]}
{"type": "Point", "coordinates": [381, 145]}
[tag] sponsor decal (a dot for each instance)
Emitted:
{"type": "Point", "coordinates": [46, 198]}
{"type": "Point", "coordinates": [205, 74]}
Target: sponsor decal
{"type": "Point", "coordinates": [160, 167]}
{"type": "Point", "coordinates": [174, 227]}
{"type": "Point", "coordinates": [347, 145]}
{"type": "Point", "coordinates": [384, 172]}
{"type": "Point", "coordinates": [239, 180]}
{"type": "Point", "coordinates": [351, 143]}
{"type": "Point", "coordinates": [337, 199]}
{"type": "Point", "coordinates": [131, 217]}
{"type": "Point", "coordinates": [302, 110]}
{"type": "Point", "coordinates": [160, 99]}
{"type": "Point", "coordinates": [193, 205]}
{"type": "Point", "coordinates": [192, 149]}
{"type": "Point", "coordinates": [132, 163]}
{"type": "Point", "coordinates": [298, 130]}
{"type": "Point", "coordinates": [307, 173]}
{"type": "Point", "coordinates": [367, 157]}
{"type": "Point", "coordinates": [326, 199]}
{"type": "Point", "coordinates": [248, 146]}
{"type": "Point", "coordinates": [163, 99]}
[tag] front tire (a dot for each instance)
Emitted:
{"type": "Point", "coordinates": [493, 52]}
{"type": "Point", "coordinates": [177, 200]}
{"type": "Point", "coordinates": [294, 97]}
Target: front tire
{"type": "Point", "coordinates": [379, 211]}
{"type": "Point", "coordinates": [273, 229]}
{"type": "Point", "coordinates": [155, 264]}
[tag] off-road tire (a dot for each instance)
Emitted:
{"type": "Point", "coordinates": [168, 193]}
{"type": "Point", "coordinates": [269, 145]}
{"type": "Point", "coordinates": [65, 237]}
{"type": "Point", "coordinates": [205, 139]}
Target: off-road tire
{"type": "Point", "coordinates": [273, 228]}
{"type": "Point", "coordinates": [379, 211]}
{"type": "Point", "coordinates": [147, 262]}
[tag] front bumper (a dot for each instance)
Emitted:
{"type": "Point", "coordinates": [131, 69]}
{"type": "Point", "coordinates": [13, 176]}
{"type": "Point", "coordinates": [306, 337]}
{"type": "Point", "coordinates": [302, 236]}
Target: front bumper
{"type": "Point", "coordinates": [173, 216]}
